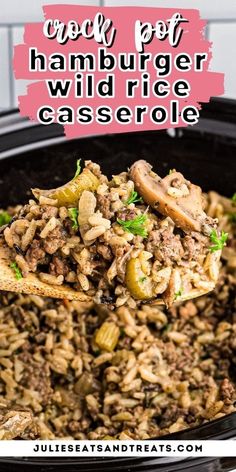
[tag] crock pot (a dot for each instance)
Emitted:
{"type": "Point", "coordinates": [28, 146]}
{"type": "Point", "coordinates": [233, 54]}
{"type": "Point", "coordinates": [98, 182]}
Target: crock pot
{"type": "Point", "coordinates": [33, 155]}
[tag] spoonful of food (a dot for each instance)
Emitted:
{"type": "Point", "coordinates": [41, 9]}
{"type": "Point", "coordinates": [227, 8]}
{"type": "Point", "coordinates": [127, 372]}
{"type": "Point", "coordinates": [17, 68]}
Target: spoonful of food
{"type": "Point", "coordinates": [136, 238]}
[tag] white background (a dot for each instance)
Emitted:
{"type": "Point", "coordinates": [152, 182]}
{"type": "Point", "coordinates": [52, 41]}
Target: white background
{"type": "Point", "coordinates": [221, 30]}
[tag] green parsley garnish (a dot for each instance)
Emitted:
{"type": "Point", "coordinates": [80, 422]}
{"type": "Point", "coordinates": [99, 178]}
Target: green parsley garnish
{"type": "Point", "coordinates": [73, 213]}
{"type": "Point", "coordinates": [78, 168]}
{"type": "Point", "coordinates": [134, 198]}
{"type": "Point", "coordinates": [142, 279]}
{"type": "Point", "coordinates": [179, 293]}
{"type": "Point", "coordinates": [135, 226]}
{"type": "Point", "coordinates": [17, 270]}
{"type": "Point", "coordinates": [5, 218]}
{"type": "Point", "coordinates": [218, 241]}
{"type": "Point", "coordinates": [232, 217]}
{"type": "Point", "coordinates": [167, 328]}
{"type": "Point", "coordinates": [234, 198]}
{"type": "Point", "coordinates": [171, 171]}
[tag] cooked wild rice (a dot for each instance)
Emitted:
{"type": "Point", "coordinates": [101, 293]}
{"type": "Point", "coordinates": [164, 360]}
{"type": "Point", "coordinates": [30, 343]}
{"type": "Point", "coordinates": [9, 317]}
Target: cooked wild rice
{"type": "Point", "coordinates": [109, 243]}
{"type": "Point", "coordinates": [167, 369]}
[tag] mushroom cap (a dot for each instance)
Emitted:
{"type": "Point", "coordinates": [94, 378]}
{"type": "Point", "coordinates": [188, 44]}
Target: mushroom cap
{"type": "Point", "coordinates": [185, 210]}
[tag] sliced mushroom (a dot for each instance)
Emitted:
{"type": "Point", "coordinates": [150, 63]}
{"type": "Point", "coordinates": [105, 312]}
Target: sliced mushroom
{"type": "Point", "coordinates": [183, 202]}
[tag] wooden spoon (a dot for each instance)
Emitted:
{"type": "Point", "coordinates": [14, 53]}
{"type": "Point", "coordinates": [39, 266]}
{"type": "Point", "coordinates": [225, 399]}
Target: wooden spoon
{"type": "Point", "coordinates": [186, 211]}
{"type": "Point", "coordinates": [31, 284]}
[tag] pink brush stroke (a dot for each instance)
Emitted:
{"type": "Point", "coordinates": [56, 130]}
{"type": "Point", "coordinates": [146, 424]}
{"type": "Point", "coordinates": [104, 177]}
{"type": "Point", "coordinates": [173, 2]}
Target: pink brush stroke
{"type": "Point", "coordinates": [203, 84]}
